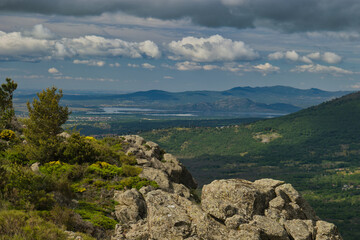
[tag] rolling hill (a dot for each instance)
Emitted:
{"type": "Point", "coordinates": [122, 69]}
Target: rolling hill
{"type": "Point", "coordinates": [232, 102]}
{"type": "Point", "coordinates": [316, 148]}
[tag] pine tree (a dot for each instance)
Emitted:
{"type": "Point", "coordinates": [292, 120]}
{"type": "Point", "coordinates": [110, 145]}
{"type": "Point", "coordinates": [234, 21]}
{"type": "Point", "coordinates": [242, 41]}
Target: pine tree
{"type": "Point", "coordinates": [7, 113]}
{"type": "Point", "coordinates": [46, 117]}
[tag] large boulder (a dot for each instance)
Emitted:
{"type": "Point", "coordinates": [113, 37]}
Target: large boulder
{"type": "Point", "coordinates": [225, 198]}
{"type": "Point", "coordinates": [230, 209]}
{"type": "Point", "coordinates": [131, 206]}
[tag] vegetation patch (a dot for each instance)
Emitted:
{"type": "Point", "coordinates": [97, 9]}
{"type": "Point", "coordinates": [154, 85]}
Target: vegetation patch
{"type": "Point", "coordinates": [266, 137]}
{"type": "Point", "coordinates": [96, 215]}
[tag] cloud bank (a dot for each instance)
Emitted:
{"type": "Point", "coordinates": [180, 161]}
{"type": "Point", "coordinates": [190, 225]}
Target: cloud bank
{"type": "Point", "coordinates": [288, 15]}
{"type": "Point", "coordinates": [214, 48]}
{"type": "Point", "coordinates": [37, 45]}
{"type": "Point", "coordinates": [317, 68]}
{"type": "Point", "coordinates": [328, 57]}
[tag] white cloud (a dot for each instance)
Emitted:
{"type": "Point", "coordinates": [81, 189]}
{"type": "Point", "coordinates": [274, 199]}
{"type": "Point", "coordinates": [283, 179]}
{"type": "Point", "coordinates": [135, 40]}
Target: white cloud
{"type": "Point", "coordinates": [90, 62]}
{"type": "Point", "coordinates": [148, 66]}
{"type": "Point", "coordinates": [314, 55]}
{"type": "Point", "coordinates": [40, 32]}
{"type": "Point", "coordinates": [15, 44]}
{"type": "Point", "coordinates": [37, 45]}
{"type": "Point", "coordinates": [292, 55]}
{"type": "Point", "coordinates": [276, 56]}
{"type": "Point", "coordinates": [209, 67]}
{"type": "Point", "coordinates": [114, 65]}
{"type": "Point", "coordinates": [305, 59]}
{"type": "Point", "coordinates": [348, 36]}
{"type": "Point", "coordinates": [317, 68]}
{"type": "Point", "coordinates": [331, 58]}
{"type": "Point", "coordinates": [266, 68]}
{"type": "Point", "coordinates": [214, 48]}
{"type": "Point", "coordinates": [168, 77]}
{"type": "Point", "coordinates": [328, 57]}
{"type": "Point", "coordinates": [356, 86]}
{"type": "Point", "coordinates": [187, 66]}
{"type": "Point", "coordinates": [133, 65]}
{"type": "Point", "coordinates": [53, 70]}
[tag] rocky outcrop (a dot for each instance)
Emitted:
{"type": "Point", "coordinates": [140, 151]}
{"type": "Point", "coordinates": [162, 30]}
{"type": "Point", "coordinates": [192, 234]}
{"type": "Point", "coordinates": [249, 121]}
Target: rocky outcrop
{"type": "Point", "coordinates": [230, 209]}
{"type": "Point", "coordinates": [158, 166]}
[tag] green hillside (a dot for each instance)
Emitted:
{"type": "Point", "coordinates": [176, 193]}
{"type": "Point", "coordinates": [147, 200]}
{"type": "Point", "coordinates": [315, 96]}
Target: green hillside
{"type": "Point", "coordinates": [317, 149]}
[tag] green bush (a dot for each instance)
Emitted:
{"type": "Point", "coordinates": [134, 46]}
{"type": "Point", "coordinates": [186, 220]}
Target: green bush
{"type": "Point", "coordinates": [131, 171]}
{"type": "Point", "coordinates": [26, 190]}
{"type": "Point", "coordinates": [95, 214]}
{"type": "Point", "coordinates": [7, 135]}
{"type": "Point", "coordinates": [16, 155]}
{"type": "Point", "coordinates": [16, 225]}
{"type": "Point", "coordinates": [125, 159]}
{"type": "Point", "coordinates": [105, 169]}
{"type": "Point", "coordinates": [56, 168]}
{"type": "Point", "coordinates": [78, 149]}
{"type": "Point", "coordinates": [134, 182]}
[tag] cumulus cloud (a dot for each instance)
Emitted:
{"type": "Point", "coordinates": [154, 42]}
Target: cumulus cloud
{"type": "Point", "coordinates": [233, 67]}
{"type": "Point", "coordinates": [305, 59]}
{"type": "Point", "coordinates": [39, 32]}
{"type": "Point", "coordinates": [300, 15]}
{"type": "Point", "coordinates": [214, 48]}
{"type": "Point", "coordinates": [53, 70]}
{"type": "Point", "coordinates": [133, 65]}
{"type": "Point", "coordinates": [187, 66]}
{"type": "Point", "coordinates": [317, 68]}
{"type": "Point", "coordinates": [90, 62]}
{"type": "Point", "coordinates": [266, 68]}
{"type": "Point", "coordinates": [328, 57]}
{"type": "Point", "coordinates": [148, 66]}
{"type": "Point", "coordinates": [35, 44]}
{"type": "Point", "coordinates": [292, 55]}
{"type": "Point", "coordinates": [114, 64]}
{"type": "Point", "coordinates": [356, 86]}
{"type": "Point", "coordinates": [276, 56]}
{"type": "Point", "coordinates": [331, 58]}
{"type": "Point", "coordinates": [315, 55]}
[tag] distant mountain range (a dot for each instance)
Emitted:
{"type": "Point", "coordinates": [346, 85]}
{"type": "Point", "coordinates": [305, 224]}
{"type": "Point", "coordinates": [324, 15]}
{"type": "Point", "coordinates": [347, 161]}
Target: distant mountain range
{"type": "Point", "coordinates": [276, 99]}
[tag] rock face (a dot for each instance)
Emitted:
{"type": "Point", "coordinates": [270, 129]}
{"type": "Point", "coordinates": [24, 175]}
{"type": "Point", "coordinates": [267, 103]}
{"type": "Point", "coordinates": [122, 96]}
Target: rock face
{"type": "Point", "coordinates": [230, 209]}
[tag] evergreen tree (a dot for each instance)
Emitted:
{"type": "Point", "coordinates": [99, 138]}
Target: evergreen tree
{"type": "Point", "coordinates": [44, 124]}
{"type": "Point", "coordinates": [7, 113]}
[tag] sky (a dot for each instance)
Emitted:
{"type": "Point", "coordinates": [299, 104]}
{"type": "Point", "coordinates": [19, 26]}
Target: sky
{"type": "Point", "coordinates": [180, 45]}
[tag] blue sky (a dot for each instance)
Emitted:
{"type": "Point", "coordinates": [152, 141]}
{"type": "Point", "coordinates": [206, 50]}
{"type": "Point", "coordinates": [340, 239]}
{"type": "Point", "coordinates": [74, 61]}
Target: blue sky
{"type": "Point", "coordinates": [127, 45]}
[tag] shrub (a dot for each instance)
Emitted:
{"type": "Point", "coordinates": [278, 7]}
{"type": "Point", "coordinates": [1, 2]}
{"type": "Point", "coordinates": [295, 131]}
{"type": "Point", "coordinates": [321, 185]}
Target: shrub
{"type": "Point", "coordinates": [16, 155]}
{"type": "Point", "coordinates": [125, 159]}
{"type": "Point", "coordinates": [26, 190]}
{"type": "Point", "coordinates": [95, 214]}
{"type": "Point", "coordinates": [7, 135]}
{"type": "Point", "coordinates": [134, 182]}
{"type": "Point", "coordinates": [16, 225]}
{"type": "Point", "coordinates": [78, 149]}
{"type": "Point", "coordinates": [131, 171]}
{"type": "Point", "coordinates": [56, 168]}
{"type": "Point", "coordinates": [105, 169]}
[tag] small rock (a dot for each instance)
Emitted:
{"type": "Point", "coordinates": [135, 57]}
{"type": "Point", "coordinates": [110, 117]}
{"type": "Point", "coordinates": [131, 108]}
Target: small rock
{"type": "Point", "coordinates": [35, 167]}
